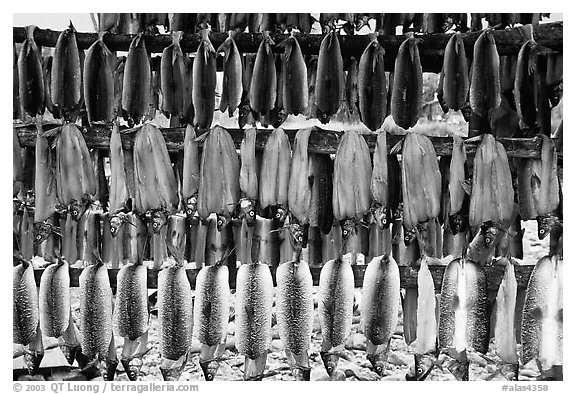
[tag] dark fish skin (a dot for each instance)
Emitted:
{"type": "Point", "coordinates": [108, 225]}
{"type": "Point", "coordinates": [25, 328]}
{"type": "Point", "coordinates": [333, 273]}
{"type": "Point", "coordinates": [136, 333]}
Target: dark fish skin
{"type": "Point", "coordinates": [542, 316]}
{"type": "Point", "coordinates": [330, 85]}
{"type": "Point", "coordinates": [99, 83]}
{"type": "Point", "coordinates": [66, 75]}
{"type": "Point", "coordinates": [525, 85]}
{"type": "Point", "coordinates": [204, 83]}
{"type": "Point", "coordinates": [455, 67]}
{"type": "Point", "coordinates": [473, 327]}
{"type": "Point", "coordinates": [211, 305]}
{"type": "Point", "coordinates": [263, 85]}
{"type": "Point", "coordinates": [30, 77]}
{"type": "Point", "coordinates": [137, 80]}
{"type": "Point", "coordinates": [372, 86]}
{"type": "Point", "coordinates": [406, 100]}
{"type": "Point", "coordinates": [485, 78]}
{"type": "Point", "coordinates": [95, 311]}
{"type": "Point", "coordinates": [483, 245]}
{"type": "Point", "coordinates": [25, 315]}
{"type": "Point", "coordinates": [131, 309]}
{"type": "Point", "coordinates": [423, 365]}
{"type": "Point", "coordinates": [295, 78]}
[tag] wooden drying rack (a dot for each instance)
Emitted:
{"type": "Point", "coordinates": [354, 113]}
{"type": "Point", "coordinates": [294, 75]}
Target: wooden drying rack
{"type": "Point", "coordinates": [508, 42]}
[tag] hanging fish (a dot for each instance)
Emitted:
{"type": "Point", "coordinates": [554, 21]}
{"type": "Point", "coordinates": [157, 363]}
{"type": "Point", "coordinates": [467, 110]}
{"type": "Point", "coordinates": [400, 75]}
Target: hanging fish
{"type": "Point", "coordinates": [99, 82]}
{"type": "Point", "coordinates": [66, 75]}
{"type": "Point", "coordinates": [254, 293]}
{"type": "Point", "coordinates": [485, 75]}
{"type": "Point", "coordinates": [54, 299]}
{"type": "Point", "coordinates": [406, 100]}
{"type": "Point", "coordinates": [30, 77]}
{"type": "Point", "coordinates": [25, 315]}
{"type": "Point", "coordinates": [295, 78]}
{"type": "Point", "coordinates": [190, 172]}
{"type": "Point", "coordinates": [372, 85]}
{"type": "Point", "coordinates": [232, 76]}
{"type": "Point", "coordinates": [379, 309]}
{"type": "Point", "coordinates": [173, 77]}
{"type": "Point", "coordinates": [459, 196]}
{"type": "Point", "coordinates": [330, 86]}
{"type": "Point", "coordinates": [263, 85]}
{"type": "Point", "coordinates": [248, 177]}
{"type": "Point", "coordinates": [299, 188]}
{"type": "Point", "coordinates": [295, 308]}
{"type": "Point", "coordinates": [455, 82]}
{"type": "Point", "coordinates": [275, 171]}
{"type": "Point", "coordinates": [136, 85]}
{"type": "Point", "coordinates": [118, 182]}
{"type": "Point", "coordinates": [335, 304]}
{"type": "Point", "coordinates": [204, 83]}
{"type": "Point", "coordinates": [211, 309]}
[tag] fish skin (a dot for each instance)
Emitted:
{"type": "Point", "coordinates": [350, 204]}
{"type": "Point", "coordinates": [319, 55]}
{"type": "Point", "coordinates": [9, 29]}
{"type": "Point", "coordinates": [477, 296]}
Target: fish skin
{"type": "Point", "coordinates": [155, 182]}
{"type": "Point", "coordinates": [379, 184]}
{"type": "Point", "coordinates": [248, 174]}
{"type": "Point", "coordinates": [99, 83]}
{"type": "Point", "coordinates": [321, 214]}
{"type": "Point", "coordinates": [102, 192]}
{"type": "Point", "coordinates": [54, 299]}
{"type": "Point", "coordinates": [95, 311]}
{"type": "Point", "coordinates": [455, 82]}
{"type": "Point", "coordinates": [130, 317]}
{"type": "Point", "coordinates": [190, 171]}
{"type": "Point", "coordinates": [335, 301]}
{"type": "Point", "coordinates": [204, 83]}
{"type": "Point", "coordinates": [372, 92]}
{"type": "Point", "coordinates": [118, 186]}
{"type": "Point", "coordinates": [295, 78]}
{"type": "Point", "coordinates": [219, 161]}
{"type": "Point", "coordinates": [211, 305]}
{"type": "Point", "coordinates": [45, 180]}
{"type": "Point", "coordinates": [17, 164]}
{"type": "Point", "coordinates": [351, 196]}
{"type": "Point", "coordinates": [492, 196]}
{"type": "Point", "coordinates": [253, 309]}
{"type": "Point", "coordinates": [504, 330]}
{"type": "Point", "coordinates": [175, 313]}
{"type": "Point", "coordinates": [263, 85]}
{"type": "Point", "coordinates": [47, 71]}
{"type": "Point", "coordinates": [275, 170]}
{"type": "Point", "coordinates": [173, 77]}
{"type": "Point", "coordinates": [25, 316]}
{"type": "Point", "coordinates": [232, 77]}
{"type": "Point", "coordinates": [542, 316]}
{"type": "Point", "coordinates": [329, 88]}
{"type": "Point", "coordinates": [406, 99]}
{"type": "Point", "coordinates": [464, 320]}
{"type": "Point", "coordinates": [75, 176]}
{"type": "Point", "coordinates": [66, 75]}
{"type": "Point", "coordinates": [30, 77]}
{"type": "Point", "coordinates": [379, 309]}
{"type": "Point", "coordinates": [295, 305]}
{"type": "Point", "coordinates": [485, 76]}
{"type": "Point", "coordinates": [526, 85]}
{"type": "Point", "coordinates": [136, 85]}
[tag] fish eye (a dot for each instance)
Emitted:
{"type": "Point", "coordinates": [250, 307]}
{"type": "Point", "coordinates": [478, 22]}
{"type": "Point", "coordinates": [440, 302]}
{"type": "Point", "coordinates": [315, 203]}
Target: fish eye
{"type": "Point", "coordinates": [112, 229]}
{"type": "Point", "coordinates": [75, 212]}
{"type": "Point", "coordinates": [541, 231]}
{"type": "Point", "coordinates": [154, 225]}
{"type": "Point", "coordinates": [278, 215]}
{"type": "Point", "coordinates": [209, 376]}
{"type": "Point", "coordinates": [419, 371]}
{"type": "Point", "coordinates": [38, 236]}
{"type": "Point", "coordinates": [487, 240]}
{"type": "Point", "coordinates": [219, 222]}
{"type": "Point", "coordinates": [299, 238]}
{"type": "Point", "coordinates": [345, 232]}
{"type": "Point", "coordinates": [188, 212]}
{"type": "Point", "coordinates": [251, 213]}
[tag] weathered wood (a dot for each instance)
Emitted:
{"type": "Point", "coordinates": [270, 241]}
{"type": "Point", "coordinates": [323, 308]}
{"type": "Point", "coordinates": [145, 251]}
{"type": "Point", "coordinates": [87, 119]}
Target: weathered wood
{"type": "Point", "coordinates": [321, 141]}
{"type": "Point", "coordinates": [432, 47]}
{"type": "Point", "coordinates": [408, 276]}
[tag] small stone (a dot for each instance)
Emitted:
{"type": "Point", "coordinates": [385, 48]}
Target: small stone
{"type": "Point", "coordinates": [529, 373]}
{"type": "Point", "coordinates": [276, 345]}
{"type": "Point", "coordinates": [399, 359]}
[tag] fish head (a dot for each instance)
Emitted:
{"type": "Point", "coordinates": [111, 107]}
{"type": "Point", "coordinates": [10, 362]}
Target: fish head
{"type": "Point", "coordinates": [484, 243]}
{"type": "Point", "coordinates": [456, 222]}
{"type": "Point", "coordinates": [76, 209]}
{"type": "Point", "coordinates": [349, 228]}
{"type": "Point", "coordinates": [115, 223]}
{"type": "Point", "coordinates": [109, 370]}
{"type": "Point", "coordinates": [248, 210]}
{"type": "Point", "coordinates": [423, 365]}
{"type": "Point", "coordinates": [191, 205]}
{"type": "Point", "coordinates": [159, 218]}
{"type": "Point", "coordinates": [41, 232]}
{"type": "Point", "coordinates": [61, 210]}
{"type": "Point", "coordinates": [545, 224]}
{"type": "Point", "coordinates": [280, 215]}
{"type": "Point", "coordinates": [330, 361]}
{"type": "Point", "coordinates": [383, 217]}
{"type": "Point", "coordinates": [409, 236]}
{"type": "Point", "coordinates": [222, 221]}
{"type": "Point", "coordinates": [209, 368]}
{"type": "Point", "coordinates": [378, 362]}
{"type": "Point", "coordinates": [132, 366]}
{"type": "Point", "coordinates": [459, 369]}
{"type": "Point", "coordinates": [298, 235]}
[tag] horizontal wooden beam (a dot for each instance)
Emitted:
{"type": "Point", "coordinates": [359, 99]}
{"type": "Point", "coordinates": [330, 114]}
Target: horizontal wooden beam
{"type": "Point", "coordinates": [432, 46]}
{"type": "Point", "coordinates": [320, 141]}
{"type": "Point", "coordinates": [408, 276]}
